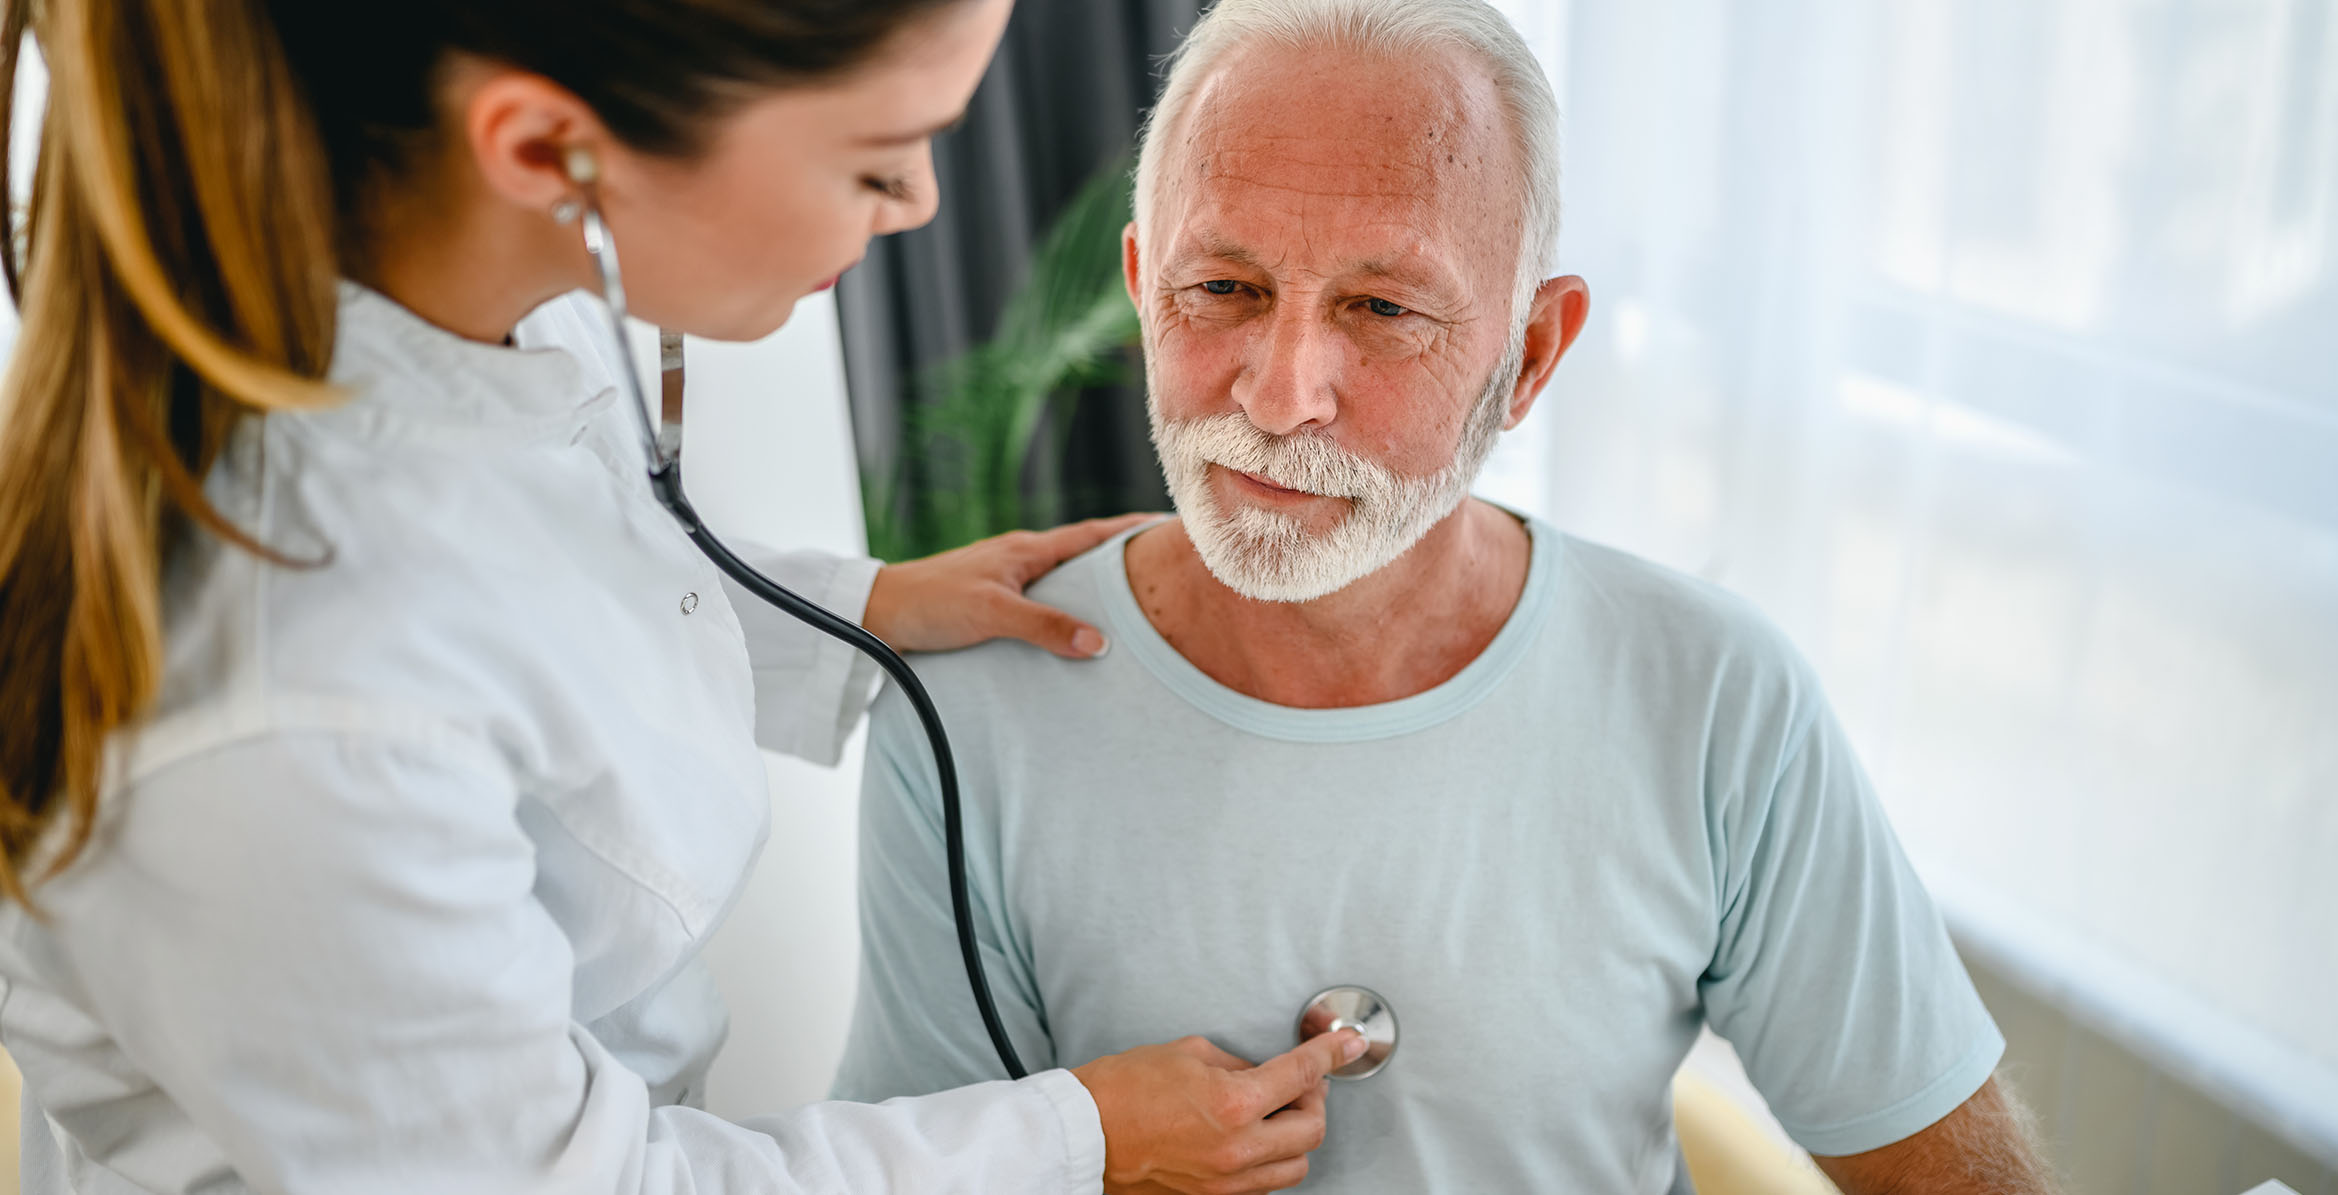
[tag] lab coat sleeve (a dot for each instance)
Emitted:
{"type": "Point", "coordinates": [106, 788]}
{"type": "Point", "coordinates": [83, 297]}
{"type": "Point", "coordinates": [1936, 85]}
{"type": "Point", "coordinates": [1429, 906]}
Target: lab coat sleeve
{"type": "Point", "coordinates": [810, 689]}
{"type": "Point", "coordinates": [327, 950]}
{"type": "Point", "coordinates": [915, 1028]}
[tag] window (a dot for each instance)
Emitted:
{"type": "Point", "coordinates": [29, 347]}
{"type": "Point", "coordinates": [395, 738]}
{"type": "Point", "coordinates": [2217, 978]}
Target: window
{"type": "Point", "coordinates": [1992, 347]}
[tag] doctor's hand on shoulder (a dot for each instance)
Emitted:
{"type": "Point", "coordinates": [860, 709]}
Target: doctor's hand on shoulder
{"type": "Point", "coordinates": [1191, 1118]}
{"type": "Point", "coordinates": [960, 598]}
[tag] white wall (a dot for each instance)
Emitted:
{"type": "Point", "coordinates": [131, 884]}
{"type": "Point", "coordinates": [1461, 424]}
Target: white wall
{"type": "Point", "coordinates": [24, 150]}
{"type": "Point", "coordinates": [770, 458]}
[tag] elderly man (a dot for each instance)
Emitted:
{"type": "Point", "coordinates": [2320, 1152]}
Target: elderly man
{"type": "Point", "coordinates": [1559, 806]}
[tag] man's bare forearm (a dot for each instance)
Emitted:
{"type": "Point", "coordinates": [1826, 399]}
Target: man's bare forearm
{"type": "Point", "coordinates": [1987, 1146]}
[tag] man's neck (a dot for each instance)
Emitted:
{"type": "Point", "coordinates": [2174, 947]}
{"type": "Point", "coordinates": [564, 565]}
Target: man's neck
{"type": "Point", "coordinates": [1403, 630]}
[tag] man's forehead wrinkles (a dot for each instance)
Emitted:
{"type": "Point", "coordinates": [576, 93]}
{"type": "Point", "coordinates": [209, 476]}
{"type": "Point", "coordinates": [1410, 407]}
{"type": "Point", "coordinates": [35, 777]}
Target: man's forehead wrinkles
{"type": "Point", "coordinates": [1249, 152]}
{"type": "Point", "coordinates": [1405, 255]}
{"type": "Point", "coordinates": [1375, 224]}
{"type": "Point", "coordinates": [1245, 231]}
{"type": "Point", "coordinates": [1309, 190]}
{"type": "Point", "coordinates": [1424, 174]}
{"type": "Point", "coordinates": [1302, 178]}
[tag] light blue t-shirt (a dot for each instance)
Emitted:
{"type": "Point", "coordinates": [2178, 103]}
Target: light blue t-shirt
{"type": "Point", "coordinates": [1633, 814]}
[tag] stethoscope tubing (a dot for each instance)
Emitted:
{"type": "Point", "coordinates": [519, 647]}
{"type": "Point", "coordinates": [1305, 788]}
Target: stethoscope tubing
{"type": "Point", "coordinates": [667, 484]}
{"type": "Point", "coordinates": [662, 445]}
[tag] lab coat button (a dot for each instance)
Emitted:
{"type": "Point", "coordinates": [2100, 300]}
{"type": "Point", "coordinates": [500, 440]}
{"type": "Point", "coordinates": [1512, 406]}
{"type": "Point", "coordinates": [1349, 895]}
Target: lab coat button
{"type": "Point", "coordinates": [689, 602]}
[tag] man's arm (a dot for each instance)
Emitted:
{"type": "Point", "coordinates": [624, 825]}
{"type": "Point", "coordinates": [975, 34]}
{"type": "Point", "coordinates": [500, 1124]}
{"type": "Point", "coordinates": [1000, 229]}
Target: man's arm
{"type": "Point", "coordinates": [914, 1027]}
{"type": "Point", "coordinates": [1987, 1146]}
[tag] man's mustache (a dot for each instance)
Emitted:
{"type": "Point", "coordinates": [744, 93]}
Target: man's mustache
{"type": "Point", "coordinates": [1306, 461]}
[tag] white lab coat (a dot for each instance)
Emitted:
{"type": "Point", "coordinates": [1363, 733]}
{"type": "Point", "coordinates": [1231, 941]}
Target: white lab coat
{"type": "Point", "coordinates": [403, 885]}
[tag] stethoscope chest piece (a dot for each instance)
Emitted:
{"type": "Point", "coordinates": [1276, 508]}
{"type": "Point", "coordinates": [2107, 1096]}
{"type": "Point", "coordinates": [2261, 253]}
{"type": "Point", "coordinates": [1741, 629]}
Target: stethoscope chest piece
{"type": "Point", "coordinates": [1360, 1009]}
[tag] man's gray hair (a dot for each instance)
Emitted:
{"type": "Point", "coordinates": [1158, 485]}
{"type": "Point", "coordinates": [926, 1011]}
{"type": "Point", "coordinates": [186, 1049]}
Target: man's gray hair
{"type": "Point", "coordinates": [1396, 28]}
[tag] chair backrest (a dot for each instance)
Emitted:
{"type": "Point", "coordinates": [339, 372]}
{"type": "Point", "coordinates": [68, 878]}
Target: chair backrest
{"type": "Point", "coordinates": [11, 1116]}
{"type": "Point", "coordinates": [1729, 1154]}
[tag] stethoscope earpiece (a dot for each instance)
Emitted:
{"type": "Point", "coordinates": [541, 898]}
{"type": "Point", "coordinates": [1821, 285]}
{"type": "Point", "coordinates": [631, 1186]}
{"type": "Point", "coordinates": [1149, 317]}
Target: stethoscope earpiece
{"type": "Point", "coordinates": [584, 172]}
{"type": "Point", "coordinates": [582, 167]}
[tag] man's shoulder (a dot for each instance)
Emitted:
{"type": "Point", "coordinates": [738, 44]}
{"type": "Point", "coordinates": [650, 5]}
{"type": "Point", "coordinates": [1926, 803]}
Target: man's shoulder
{"type": "Point", "coordinates": [1648, 589]}
{"type": "Point", "coordinates": [967, 683]}
{"type": "Point", "coordinates": [1659, 615]}
{"type": "Point", "coordinates": [1078, 585]}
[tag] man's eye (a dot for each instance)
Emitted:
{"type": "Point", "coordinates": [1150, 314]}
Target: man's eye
{"type": "Point", "coordinates": [1383, 307]}
{"type": "Point", "coordinates": [1220, 286]}
{"type": "Point", "coordinates": [895, 188]}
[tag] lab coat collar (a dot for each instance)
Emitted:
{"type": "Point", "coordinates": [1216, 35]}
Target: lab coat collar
{"type": "Point", "coordinates": [409, 378]}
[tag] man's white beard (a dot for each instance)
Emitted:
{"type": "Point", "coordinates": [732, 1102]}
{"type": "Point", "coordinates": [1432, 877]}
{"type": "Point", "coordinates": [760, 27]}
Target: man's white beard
{"type": "Point", "coordinates": [1269, 555]}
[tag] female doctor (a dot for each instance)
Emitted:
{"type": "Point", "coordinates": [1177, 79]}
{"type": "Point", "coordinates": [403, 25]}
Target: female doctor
{"type": "Point", "coordinates": [376, 755]}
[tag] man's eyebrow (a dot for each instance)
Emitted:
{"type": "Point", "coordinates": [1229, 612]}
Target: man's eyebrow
{"type": "Point", "coordinates": [1405, 269]}
{"type": "Point", "coordinates": [1410, 271]}
{"type": "Point", "coordinates": [1208, 248]}
{"type": "Point", "coordinates": [891, 140]}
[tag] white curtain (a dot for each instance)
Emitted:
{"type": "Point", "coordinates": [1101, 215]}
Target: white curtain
{"type": "Point", "coordinates": [1992, 347]}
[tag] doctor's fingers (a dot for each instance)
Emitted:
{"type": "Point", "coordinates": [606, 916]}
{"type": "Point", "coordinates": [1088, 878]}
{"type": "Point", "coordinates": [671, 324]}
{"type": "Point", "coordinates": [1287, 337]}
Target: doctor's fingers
{"type": "Point", "coordinates": [1280, 1176]}
{"type": "Point", "coordinates": [1316, 1100]}
{"type": "Point", "coordinates": [1041, 551]}
{"type": "Point", "coordinates": [1208, 1052]}
{"type": "Point", "coordinates": [1277, 1147]}
{"type": "Point", "coordinates": [1043, 626]}
{"type": "Point", "coordinates": [1293, 1132]}
{"type": "Point", "coordinates": [1285, 1139]}
{"type": "Point", "coordinates": [1283, 1079]}
{"type": "Point", "coordinates": [1268, 1156]}
{"type": "Point", "coordinates": [1275, 1176]}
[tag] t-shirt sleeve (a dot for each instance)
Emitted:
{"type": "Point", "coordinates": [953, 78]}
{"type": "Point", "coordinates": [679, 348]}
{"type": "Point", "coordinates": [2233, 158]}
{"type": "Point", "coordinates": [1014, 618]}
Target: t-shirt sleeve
{"type": "Point", "coordinates": [915, 1028]}
{"type": "Point", "coordinates": [1832, 974]}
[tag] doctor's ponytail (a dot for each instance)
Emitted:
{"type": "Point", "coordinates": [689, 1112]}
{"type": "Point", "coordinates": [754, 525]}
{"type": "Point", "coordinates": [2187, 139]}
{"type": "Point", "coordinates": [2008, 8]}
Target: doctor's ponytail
{"type": "Point", "coordinates": [202, 164]}
{"type": "Point", "coordinates": [175, 269]}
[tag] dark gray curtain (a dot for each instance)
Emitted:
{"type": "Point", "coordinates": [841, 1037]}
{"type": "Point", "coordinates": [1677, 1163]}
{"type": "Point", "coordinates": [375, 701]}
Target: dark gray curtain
{"type": "Point", "coordinates": [1071, 82]}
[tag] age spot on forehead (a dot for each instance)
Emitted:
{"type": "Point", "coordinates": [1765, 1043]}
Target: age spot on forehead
{"type": "Point", "coordinates": [1337, 109]}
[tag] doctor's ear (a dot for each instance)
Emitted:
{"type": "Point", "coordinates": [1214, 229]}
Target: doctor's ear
{"type": "Point", "coordinates": [534, 143]}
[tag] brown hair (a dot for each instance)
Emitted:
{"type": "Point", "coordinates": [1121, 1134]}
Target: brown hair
{"type": "Point", "coordinates": [177, 270]}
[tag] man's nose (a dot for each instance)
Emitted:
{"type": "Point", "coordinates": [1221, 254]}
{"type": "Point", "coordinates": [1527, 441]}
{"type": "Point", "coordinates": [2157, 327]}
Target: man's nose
{"type": "Point", "coordinates": [1292, 379]}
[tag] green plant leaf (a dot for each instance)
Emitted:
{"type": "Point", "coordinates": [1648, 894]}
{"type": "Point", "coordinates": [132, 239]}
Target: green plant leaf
{"type": "Point", "coordinates": [973, 420]}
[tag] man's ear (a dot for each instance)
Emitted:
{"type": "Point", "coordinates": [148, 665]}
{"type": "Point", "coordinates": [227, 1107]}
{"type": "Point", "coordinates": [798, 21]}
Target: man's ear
{"type": "Point", "coordinates": [1128, 262]}
{"type": "Point", "coordinates": [1561, 305]}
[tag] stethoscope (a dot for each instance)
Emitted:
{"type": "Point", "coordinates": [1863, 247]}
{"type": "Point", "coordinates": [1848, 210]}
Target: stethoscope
{"type": "Point", "coordinates": [1328, 1011]}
